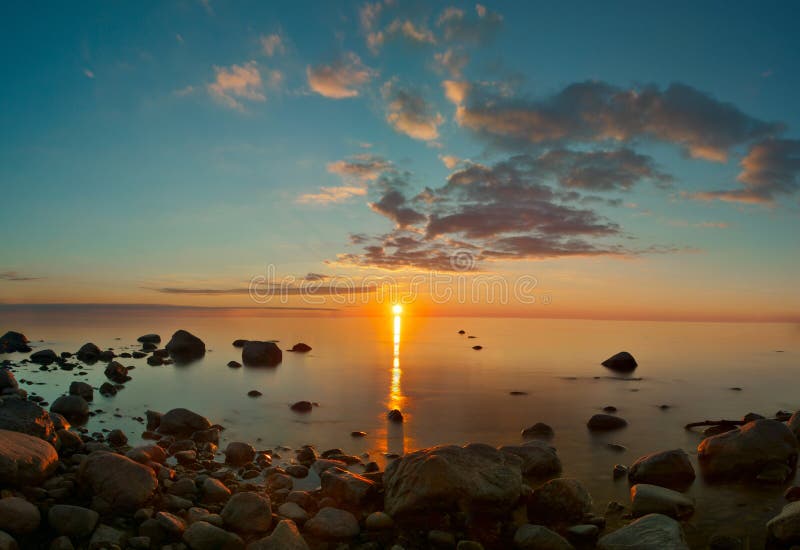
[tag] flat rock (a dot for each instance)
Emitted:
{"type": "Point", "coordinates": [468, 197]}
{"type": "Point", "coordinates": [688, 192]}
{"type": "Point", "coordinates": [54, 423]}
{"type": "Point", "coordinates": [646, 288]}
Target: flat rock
{"type": "Point", "coordinates": [25, 459]}
{"type": "Point", "coordinates": [651, 532]}
{"type": "Point", "coordinates": [653, 499]}
{"type": "Point", "coordinates": [117, 481]}
{"type": "Point", "coordinates": [448, 476]}
{"type": "Point", "coordinates": [333, 524]}
{"type": "Point", "coordinates": [667, 468]}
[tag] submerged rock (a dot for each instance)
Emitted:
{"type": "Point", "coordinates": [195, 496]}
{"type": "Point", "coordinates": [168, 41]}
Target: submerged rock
{"type": "Point", "coordinates": [116, 372]}
{"type": "Point", "coordinates": [89, 353]}
{"type": "Point", "coordinates": [651, 532]}
{"type": "Point", "coordinates": [605, 422]}
{"type": "Point", "coordinates": [182, 422]}
{"type": "Point", "coordinates": [44, 357]}
{"type": "Point", "coordinates": [301, 347]}
{"type": "Point", "coordinates": [666, 468]}
{"type": "Point", "coordinates": [395, 416]}
{"type": "Point", "coordinates": [264, 354]}
{"type": "Point", "coordinates": [447, 477]}
{"type": "Point", "coordinates": [12, 342]}
{"type": "Point", "coordinates": [185, 346]}
{"type": "Point", "coordinates": [540, 430]}
{"type": "Point", "coordinates": [621, 362]}
{"type": "Point", "coordinates": [25, 459]}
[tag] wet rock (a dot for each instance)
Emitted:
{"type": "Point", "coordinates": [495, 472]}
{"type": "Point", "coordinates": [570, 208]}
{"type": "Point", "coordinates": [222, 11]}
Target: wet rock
{"type": "Point", "coordinates": [333, 524]}
{"type": "Point", "coordinates": [7, 380]}
{"type": "Point", "coordinates": [651, 532]}
{"type": "Point", "coordinates": [116, 481]}
{"type": "Point", "coordinates": [620, 471]}
{"type": "Point", "coordinates": [106, 356]}
{"type": "Point", "coordinates": [12, 342]}
{"type": "Point", "coordinates": [215, 491]}
{"type": "Point", "coordinates": [785, 527]}
{"type": "Point", "coordinates": [202, 535]}
{"type": "Point", "coordinates": [239, 343]}
{"type": "Point", "coordinates": [395, 416]}
{"type": "Point", "coordinates": [44, 357]}
{"type": "Point", "coordinates": [171, 524]}
{"type": "Point", "coordinates": [82, 389]}
{"type": "Point", "coordinates": [621, 362]}
{"type": "Point", "coordinates": [653, 499]}
{"type": "Point", "coordinates": [25, 459]}
{"type": "Point", "coordinates": [117, 438]}
{"type": "Point", "coordinates": [254, 393]}
{"type": "Point", "coordinates": [583, 535]}
{"type": "Point", "coordinates": [539, 430]}
{"type": "Point", "coordinates": [153, 419]}
{"type": "Point", "coordinates": [108, 390]}
{"type": "Point", "coordinates": [358, 434]}
{"type": "Point", "coordinates": [347, 488]}
{"type": "Point", "coordinates": [106, 537]}
{"type": "Point", "coordinates": [538, 537]}
{"type": "Point", "coordinates": [746, 451]}
{"type": "Point", "coordinates": [182, 422]}
{"type": "Point", "coordinates": [255, 353]}
{"type": "Point", "coordinates": [72, 521]}
{"type": "Point", "coordinates": [561, 501]}
{"type": "Point", "coordinates": [297, 471]}
{"type": "Point", "coordinates": [284, 537]}
{"type": "Point", "coordinates": [449, 476]}
{"type": "Point", "coordinates": [667, 468]}
{"type": "Point", "coordinates": [185, 346]}
{"type": "Point", "coordinates": [116, 372]}
{"type": "Point", "coordinates": [239, 454]}
{"type": "Point", "coordinates": [794, 424]}
{"type": "Point", "coordinates": [301, 348]}
{"type": "Point", "coordinates": [234, 364]}
{"type": "Point", "coordinates": [302, 406]}
{"type": "Point", "coordinates": [248, 513]}
{"type": "Point", "coordinates": [538, 458]}
{"type": "Point", "coordinates": [18, 516]}
{"type": "Point", "coordinates": [149, 338]}
{"type": "Point", "coordinates": [293, 511]}
{"type": "Point", "coordinates": [89, 353]}
{"type": "Point", "coordinates": [20, 415]}
{"type": "Point", "coordinates": [606, 422]}
{"type": "Point", "coordinates": [379, 521]}
{"type": "Point", "coordinates": [72, 407]}
{"type": "Point", "coordinates": [155, 361]}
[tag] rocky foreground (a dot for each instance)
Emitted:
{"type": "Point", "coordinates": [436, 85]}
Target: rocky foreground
{"type": "Point", "coordinates": [65, 488]}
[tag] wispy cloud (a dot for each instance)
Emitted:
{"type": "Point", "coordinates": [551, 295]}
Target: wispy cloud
{"type": "Point", "coordinates": [356, 172]}
{"type": "Point", "coordinates": [88, 73]}
{"type": "Point", "coordinates": [340, 79]}
{"type": "Point", "coordinates": [16, 276]}
{"type": "Point", "coordinates": [236, 83]}
{"type": "Point", "coordinates": [409, 113]}
{"type": "Point", "coordinates": [328, 195]}
{"type": "Point", "coordinates": [273, 44]}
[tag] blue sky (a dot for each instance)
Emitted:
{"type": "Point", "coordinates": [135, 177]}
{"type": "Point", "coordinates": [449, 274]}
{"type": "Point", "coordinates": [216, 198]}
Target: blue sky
{"type": "Point", "coordinates": [187, 144]}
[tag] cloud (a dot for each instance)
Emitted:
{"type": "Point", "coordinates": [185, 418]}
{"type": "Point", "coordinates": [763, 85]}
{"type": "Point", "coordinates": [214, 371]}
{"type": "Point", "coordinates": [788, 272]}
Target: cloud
{"type": "Point", "coordinates": [369, 14]}
{"type": "Point", "coordinates": [466, 28]}
{"type": "Point", "coordinates": [88, 73]}
{"type": "Point", "coordinates": [341, 79]}
{"type": "Point", "coordinates": [235, 83]}
{"type": "Point", "coordinates": [265, 290]}
{"type": "Point", "coordinates": [273, 44]}
{"type": "Point", "coordinates": [714, 225]}
{"type": "Point", "coordinates": [185, 91]}
{"type": "Point", "coordinates": [356, 172]}
{"type": "Point", "coordinates": [413, 32]}
{"type": "Point", "coordinates": [17, 277]}
{"type": "Point", "coordinates": [771, 168]}
{"type": "Point", "coordinates": [409, 113]}
{"type": "Point", "coordinates": [393, 205]}
{"type": "Point", "coordinates": [329, 195]}
{"type": "Point", "coordinates": [595, 111]}
{"type": "Point", "coordinates": [453, 61]}
{"type": "Point", "coordinates": [449, 161]}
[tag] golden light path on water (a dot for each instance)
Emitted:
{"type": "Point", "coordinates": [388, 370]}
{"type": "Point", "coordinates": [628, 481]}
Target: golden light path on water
{"type": "Point", "coordinates": [395, 433]}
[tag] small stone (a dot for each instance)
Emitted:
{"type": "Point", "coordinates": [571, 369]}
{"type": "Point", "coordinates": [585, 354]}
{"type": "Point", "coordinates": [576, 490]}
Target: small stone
{"type": "Point", "coordinates": [18, 516]}
{"type": "Point", "coordinates": [302, 406]}
{"type": "Point", "coordinates": [539, 430]}
{"type": "Point", "coordinates": [333, 524]}
{"type": "Point", "coordinates": [378, 521]}
{"type": "Point", "coordinates": [254, 393]}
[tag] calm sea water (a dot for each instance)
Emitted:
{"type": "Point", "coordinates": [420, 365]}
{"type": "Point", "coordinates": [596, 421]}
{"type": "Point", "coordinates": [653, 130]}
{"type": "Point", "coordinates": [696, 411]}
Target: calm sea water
{"type": "Point", "coordinates": [361, 367]}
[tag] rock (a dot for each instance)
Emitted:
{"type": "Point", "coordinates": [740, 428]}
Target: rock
{"type": "Point", "coordinates": [785, 527]}
{"type": "Point", "coordinates": [449, 476]}
{"type": "Point", "coordinates": [774, 473]}
{"type": "Point", "coordinates": [284, 537]}
{"type": "Point", "coordinates": [201, 535]}
{"type": "Point", "coordinates": [116, 372]}
{"type": "Point", "coordinates": [155, 361]}
{"type": "Point", "coordinates": [117, 438]}
{"type": "Point", "coordinates": [248, 513]}
{"type": "Point", "coordinates": [215, 491]}
{"type": "Point", "coordinates": [18, 516]}
{"type": "Point", "coordinates": [379, 521]}
{"type": "Point", "coordinates": [651, 532]}
{"type": "Point", "coordinates": [792, 493]}
{"type": "Point", "coordinates": [182, 422]}
{"type": "Point", "coordinates": [653, 499]}
{"type": "Point", "coordinates": [620, 471]}
{"type": "Point", "coordinates": [301, 348]}
{"type": "Point", "coordinates": [72, 407]}
{"type": "Point", "coordinates": [106, 537]}
{"type": "Point", "coordinates": [43, 357]}
{"type": "Point", "coordinates": [477, 348]}
{"type": "Point", "coordinates": [184, 346]}
{"type": "Point", "coordinates": [297, 470]}
{"type": "Point", "coordinates": [7, 542]}
{"type": "Point", "coordinates": [72, 521]}
{"type": "Point", "coordinates": [82, 389]}
{"type": "Point", "coordinates": [255, 353]}
{"type": "Point", "coordinates": [139, 543]}
{"type": "Point", "coordinates": [60, 543]}
{"type": "Point", "coordinates": [621, 362]}
{"type": "Point", "coordinates": [25, 459]}
{"type": "Point", "coordinates": [106, 356]}
{"type": "Point", "coordinates": [537, 537]}
{"type": "Point", "coordinates": [89, 353]}
{"type": "Point", "coordinates": [12, 342]}
{"type": "Point", "coordinates": [583, 535]}
{"type": "Point", "coordinates": [239, 454]}
{"type": "Point", "coordinates": [538, 458]}
{"type": "Point", "coordinates": [149, 338]}
{"type": "Point", "coordinates": [153, 419]}
{"type": "Point", "coordinates": [794, 424]}
{"type": "Point", "coordinates": [746, 451]}
{"type": "Point", "coordinates": [20, 415]}
{"type": "Point", "coordinates": [605, 422]}
{"type": "Point", "coordinates": [302, 406]}
{"type": "Point", "coordinates": [293, 511]}
{"type": "Point", "coordinates": [395, 416]}
{"type": "Point", "coordinates": [234, 364]}
{"type": "Point", "coordinates": [469, 545]}
{"type": "Point", "coordinates": [171, 524]}
{"type": "Point", "coordinates": [108, 390]}
{"type": "Point", "coordinates": [254, 393]}
{"type": "Point", "coordinates": [538, 431]}
{"type": "Point", "coordinates": [346, 488]}
{"type": "Point", "coordinates": [239, 343]}
{"type": "Point", "coordinates": [117, 481]}
{"type": "Point", "coordinates": [441, 539]}
{"type": "Point", "coordinates": [665, 468]}
{"type": "Point", "coordinates": [7, 380]}
{"type": "Point", "coordinates": [333, 524]}
{"type": "Point", "coordinates": [559, 502]}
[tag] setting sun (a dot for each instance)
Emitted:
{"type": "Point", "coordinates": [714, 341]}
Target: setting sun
{"type": "Point", "coordinates": [397, 309]}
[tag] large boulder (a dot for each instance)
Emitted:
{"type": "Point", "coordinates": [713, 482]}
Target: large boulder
{"type": "Point", "coordinates": [185, 346]}
{"type": "Point", "coordinates": [71, 407]}
{"type": "Point", "coordinates": [248, 512]}
{"type": "Point", "coordinates": [651, 532]}
{"type": "Point", "coordinates": [7, 380]}
{"type": "Point", "coordinates": [449, 476]}
{"type": "Point", "coordinates": [83, 389]}
{"type": "Point", "coordinates": [538, 458]}
{"type": "Point", "coordinates": [89, 353]}
{"type": "Point", "coordinates": [18, 516]}
{"type": "Point", "coordinates": [785, 527]}
{"type": "Point", "coordinates": [14, 341]}
{"type": "Point", "coordinates": [666, 468]}
{"type": "Point", "coordinates": [44, 357]}
{"type": "Point", "coordinates": [20, 415]}
{"type": "Point", "coordinates": [538, 537]}
{"type": "Point", "coordinates": [559, 502]}
{"type": "Point", "coordinates": [347, 488]}
{"type": "Point", "coordinates": [182, 422]}
{"type": "Point", "coordinates": [202, 535]}
{"type": "Point", "coordinates": [284, 537]}
{"type": "Point", "coordinates": [25, 459]}
{"type": "Point", "coordinates": [117, 482]}
{"type": "Point", "coordinates": [333, 524]}
{"type": "Point", "coordinates": [654, 499]}
{"type": "Point", "coordinates": [748, 450]}
{"type": "Point", "coordinates": [255, 353]}
{"type": "Point", "coordinates": [72, 521]}
{"type": "Point", "coordinates": [621, 362]}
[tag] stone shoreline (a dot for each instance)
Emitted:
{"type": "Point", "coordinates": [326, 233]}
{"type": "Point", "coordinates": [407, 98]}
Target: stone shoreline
{"type": "Point", "coordinates": [63, 487]}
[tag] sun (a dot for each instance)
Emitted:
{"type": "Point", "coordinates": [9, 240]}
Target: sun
{"type": "Point", "coordinates": [397, 309]}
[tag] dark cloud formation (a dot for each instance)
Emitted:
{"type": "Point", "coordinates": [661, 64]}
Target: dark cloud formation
{"type": "Point", "coordinates": [15, 276]}
{"type": "Point", "coordinates": [595, 111]}
{"type": "Point", "coordinates": [771, 168]}
{"type": "Point", "coordinates": [393, 205]}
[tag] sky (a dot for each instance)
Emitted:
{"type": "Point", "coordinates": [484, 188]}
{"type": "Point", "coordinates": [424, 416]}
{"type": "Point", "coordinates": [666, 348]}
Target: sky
{"type": "Point", "coordinates": [617, 160]}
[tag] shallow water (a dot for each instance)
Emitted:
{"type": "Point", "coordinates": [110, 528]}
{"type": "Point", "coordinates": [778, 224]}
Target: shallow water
{"type": "Point", "coordinates": [449, 393]}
